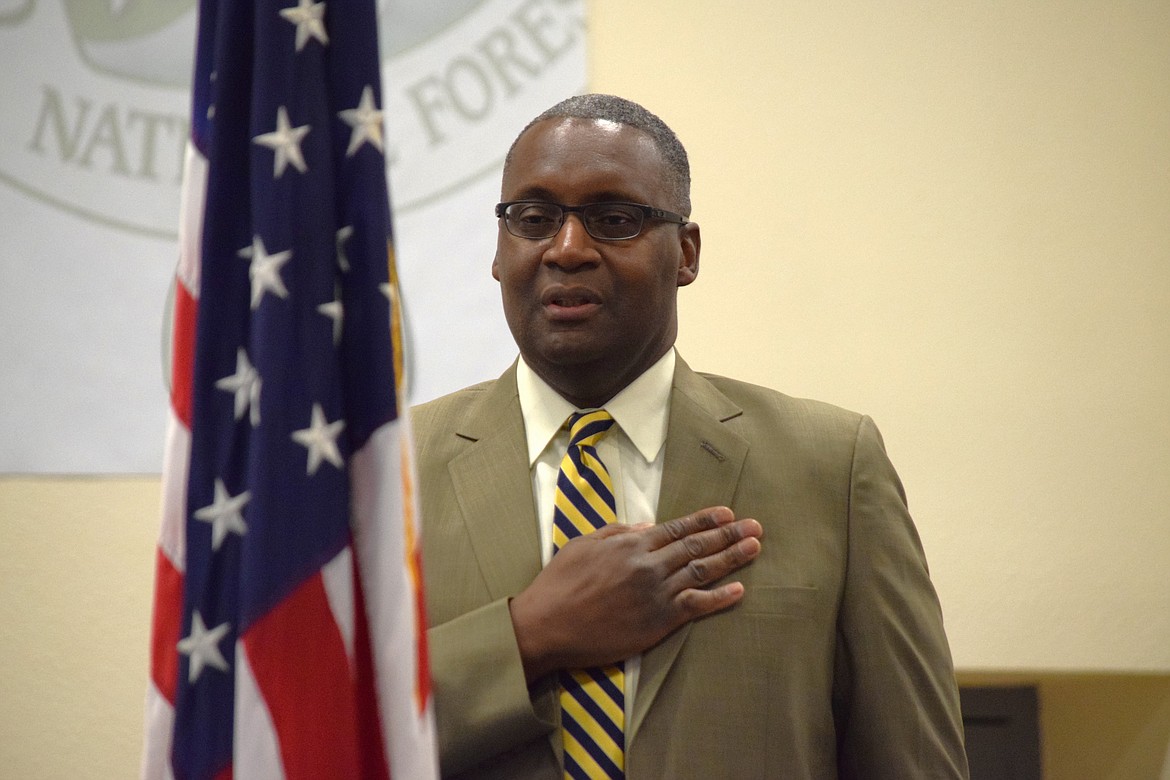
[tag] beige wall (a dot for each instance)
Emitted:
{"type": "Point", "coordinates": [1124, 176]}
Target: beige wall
{"type": "Point", "coordinates": [950, 216]}
{"type": "Point", "coordinates": [76, 568]}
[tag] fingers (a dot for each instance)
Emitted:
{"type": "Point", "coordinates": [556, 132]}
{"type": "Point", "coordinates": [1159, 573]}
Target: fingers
{"type": "Point", "coordinates": [621, 589]}
{"type": "Point", "coordinates": [682, 527]}
{"type": "Point", "coordinates": [694, 603]}
{"type": "Point", "coordinates": [701, 548]}
{"type": "Point", "coordinates": [705, 558]}
{"type": "Point", "coordinates": [715, 545]}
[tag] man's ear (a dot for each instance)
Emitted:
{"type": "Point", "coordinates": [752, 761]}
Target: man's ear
{"type": "Point", "coordinates": [691, 241]}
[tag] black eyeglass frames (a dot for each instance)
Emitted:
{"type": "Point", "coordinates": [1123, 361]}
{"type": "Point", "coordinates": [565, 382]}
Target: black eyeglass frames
{"type": "Point", "coordinates": [614, 221]}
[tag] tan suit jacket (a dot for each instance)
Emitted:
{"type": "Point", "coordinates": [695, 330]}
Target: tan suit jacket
{"type": "Point", "coordinates": [834, 664]}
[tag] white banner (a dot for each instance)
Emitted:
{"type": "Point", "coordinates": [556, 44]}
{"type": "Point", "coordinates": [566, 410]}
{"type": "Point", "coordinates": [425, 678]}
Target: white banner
{"type": "Point", "coordinates": [95, 97]}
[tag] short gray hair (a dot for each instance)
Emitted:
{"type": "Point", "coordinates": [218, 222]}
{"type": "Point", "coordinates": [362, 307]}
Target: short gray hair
{"type": "Point", "coordinates": [612, 108]}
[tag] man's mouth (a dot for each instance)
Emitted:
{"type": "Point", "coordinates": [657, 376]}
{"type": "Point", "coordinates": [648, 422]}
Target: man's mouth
{"type": "Point", "coordinates": [563, 302]}
{"type": "Point", "coordinates": [569, 297]}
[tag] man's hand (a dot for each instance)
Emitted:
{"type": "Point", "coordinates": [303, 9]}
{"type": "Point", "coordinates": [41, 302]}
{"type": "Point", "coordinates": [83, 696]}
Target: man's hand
{"type": "Point", "coordinates": [619, 590]}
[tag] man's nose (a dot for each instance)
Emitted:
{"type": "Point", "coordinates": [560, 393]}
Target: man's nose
{"type": "Point", "coordinates": [572, 245]}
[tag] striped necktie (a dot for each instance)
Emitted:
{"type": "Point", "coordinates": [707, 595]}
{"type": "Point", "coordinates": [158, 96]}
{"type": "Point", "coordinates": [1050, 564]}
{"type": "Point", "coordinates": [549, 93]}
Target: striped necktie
{"type": "Point", "coordinates": [592, 700]}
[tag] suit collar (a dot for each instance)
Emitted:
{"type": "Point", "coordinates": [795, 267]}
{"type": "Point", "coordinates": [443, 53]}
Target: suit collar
{"type": "Point", "coordinates": [640, 409]}
{"type": "Point", "coordinates": [489, 415]}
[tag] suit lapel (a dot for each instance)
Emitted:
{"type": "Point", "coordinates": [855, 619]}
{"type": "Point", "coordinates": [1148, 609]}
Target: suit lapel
{"type": "Point", "coordinates": [702, 465]}
{"type": "Point", "coordinates": [494, 488]}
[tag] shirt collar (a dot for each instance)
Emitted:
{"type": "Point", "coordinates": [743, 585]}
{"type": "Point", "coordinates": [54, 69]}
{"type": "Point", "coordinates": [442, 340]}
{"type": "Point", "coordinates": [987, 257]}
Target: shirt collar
{"type": "Point", "coordinates": [640, 409]}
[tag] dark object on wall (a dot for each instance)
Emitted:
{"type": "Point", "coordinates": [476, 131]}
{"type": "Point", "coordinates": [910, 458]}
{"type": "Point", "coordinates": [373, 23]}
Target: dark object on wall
{"type": "Point", "coordinates": [1003, 733]}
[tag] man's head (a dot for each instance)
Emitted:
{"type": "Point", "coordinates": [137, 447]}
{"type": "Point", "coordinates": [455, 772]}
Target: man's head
{"type": "Point", "coordinates": [589, 313]}
{"type": "Point", "coordinates": [612, 108]}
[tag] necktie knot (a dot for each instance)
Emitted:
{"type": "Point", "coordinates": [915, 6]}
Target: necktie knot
{"type": "Point", "coordinates": [584, 498]}
{"type": "Point", "coordinates": [587, 428]}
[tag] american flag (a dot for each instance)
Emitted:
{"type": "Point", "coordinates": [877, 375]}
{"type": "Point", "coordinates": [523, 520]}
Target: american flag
{"type": "Point", "coordinates": [288, 637]}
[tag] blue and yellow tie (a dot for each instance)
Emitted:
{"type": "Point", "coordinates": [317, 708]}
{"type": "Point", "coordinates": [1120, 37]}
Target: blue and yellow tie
{"type": "Point", "coordinates": [592, 700]}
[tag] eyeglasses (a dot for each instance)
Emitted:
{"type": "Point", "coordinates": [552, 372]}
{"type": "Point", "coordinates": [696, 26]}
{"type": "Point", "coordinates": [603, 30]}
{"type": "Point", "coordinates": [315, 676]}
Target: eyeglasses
{"type": "Point", "coordinates": [537, 219]}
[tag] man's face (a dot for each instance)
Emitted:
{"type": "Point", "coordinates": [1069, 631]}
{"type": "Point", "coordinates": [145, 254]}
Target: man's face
{"type": "Point", "coordinates": [590, 315]}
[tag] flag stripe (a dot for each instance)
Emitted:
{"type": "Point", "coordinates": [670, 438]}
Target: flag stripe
{"type": "Point", "coordinates": [156, 751]}
{"type": "Point", "coordinates": [183, 352]}
{"type": "Point", "coordinates": [301, 669]}
{"type": "Point", "coordinates": [393, 601]}
{"type": "Point", "coordinates": [165, 626]}
{"type": "Point", "coordinates": [257, 754]}
{"type": "Point", "coordinates": [370, 722]}
{"type": "Point", "coordinates": [337, 576]}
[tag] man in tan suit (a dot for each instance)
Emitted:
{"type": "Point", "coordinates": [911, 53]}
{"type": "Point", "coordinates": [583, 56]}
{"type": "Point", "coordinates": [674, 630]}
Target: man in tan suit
{"type": "Point", "coordinates": [763, 586]}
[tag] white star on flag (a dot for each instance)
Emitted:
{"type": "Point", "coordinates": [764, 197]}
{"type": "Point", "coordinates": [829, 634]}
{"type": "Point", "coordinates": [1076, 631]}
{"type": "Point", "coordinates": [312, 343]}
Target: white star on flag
{"type": "Point", "coordinates": [245, 383]}
{"type": "Point", "coordinates": [285, 140]}
{"type": "Point", "coordinates": [202, 645]}
{"type": "Point", "coordinates": [309, 17]}
{"type": "Point", "coordinates": [224, 514]}
{"type": "Point", "coordinates": [344, 234]}
{"type": "Point", "coordinates": [321, 440]}
{"type": "Point", "coordinates": [336, 312]}
{"type": "Point", "coordinates": [265, 270]}
{"type": "Point", "coordinates": [366, 122]}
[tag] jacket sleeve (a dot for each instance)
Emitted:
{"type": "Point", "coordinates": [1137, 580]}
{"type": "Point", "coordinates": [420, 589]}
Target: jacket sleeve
{"type": "Point", "coordinates": [895, 699]}
{"type": "Point", "coordinates": [482, 705]}
{"type": "Point", "coordinates": [487, 718]}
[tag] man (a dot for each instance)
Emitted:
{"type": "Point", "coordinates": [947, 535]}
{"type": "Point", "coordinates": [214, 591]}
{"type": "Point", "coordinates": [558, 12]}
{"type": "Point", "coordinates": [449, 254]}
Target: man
{"type": "Point", "coordinates": [760, 608]}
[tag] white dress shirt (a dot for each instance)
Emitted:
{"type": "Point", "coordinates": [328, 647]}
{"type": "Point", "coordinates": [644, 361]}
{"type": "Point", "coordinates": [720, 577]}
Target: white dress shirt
{"type": "Point", "coordinates": [632, 452]}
